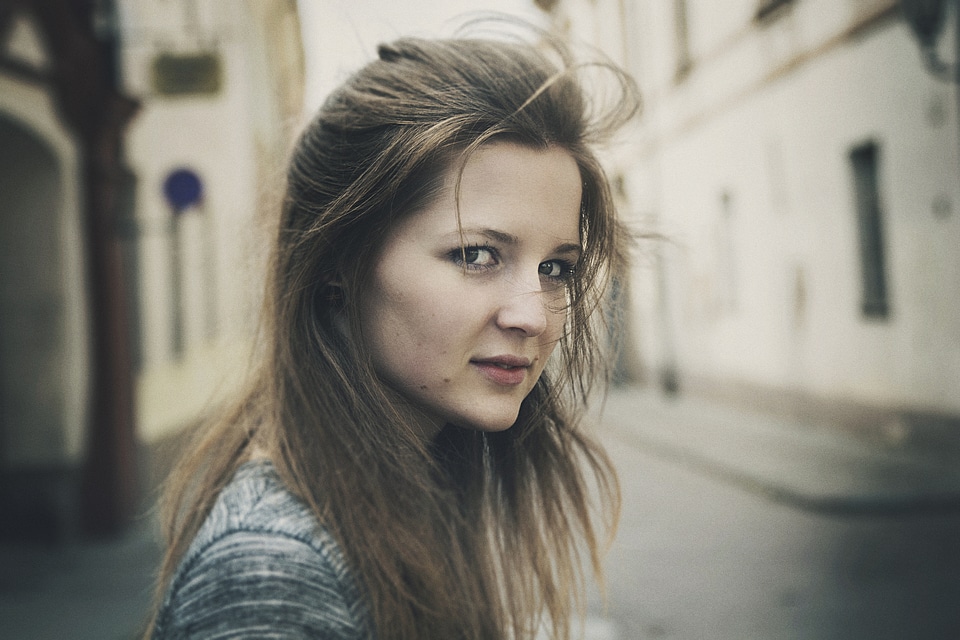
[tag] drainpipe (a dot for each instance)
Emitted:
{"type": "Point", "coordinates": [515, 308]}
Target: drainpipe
{"type": "Point", "coordinates": [90, 104]}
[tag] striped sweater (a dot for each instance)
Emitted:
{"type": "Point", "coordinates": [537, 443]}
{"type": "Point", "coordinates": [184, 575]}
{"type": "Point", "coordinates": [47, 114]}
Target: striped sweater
{"type": "Point", "coordinates": [261, 567]}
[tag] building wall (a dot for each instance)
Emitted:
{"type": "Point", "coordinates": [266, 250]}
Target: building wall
{"type": "Point", "coordinates": [743, 159]}
{"type": "Point", "coordinates": [234, 139]}
{"type": "Point", "coordinates": [52, 273]}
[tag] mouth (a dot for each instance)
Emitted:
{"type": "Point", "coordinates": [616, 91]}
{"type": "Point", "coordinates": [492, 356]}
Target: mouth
{"type": "Point", "coordinates": [504, 370]}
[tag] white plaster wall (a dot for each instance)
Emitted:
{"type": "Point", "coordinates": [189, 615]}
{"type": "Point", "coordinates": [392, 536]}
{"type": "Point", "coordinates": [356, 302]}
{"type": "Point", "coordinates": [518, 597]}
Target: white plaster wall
{"type": "Point", "coordinates": [782, 152]}
{"type": "Point", "coordinates": [770, 292]}
{"type": "Point", "coordinates": [216, 137]}
{"type": "Point", "coordinates": [341, 35]}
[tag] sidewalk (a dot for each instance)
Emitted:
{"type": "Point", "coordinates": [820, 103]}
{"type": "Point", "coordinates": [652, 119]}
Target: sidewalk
{"type": "Point", "coordinates": [78, 590]}
{"type": "Point", "coordinates": [820, 467]}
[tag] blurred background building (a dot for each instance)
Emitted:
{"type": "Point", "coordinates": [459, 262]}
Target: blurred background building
{"type": "Point", "coordinates": [797, 158]}
{"type": "Point", "coordinates": [802, 165]}
{"type": "Point", "coordinates": [139, 141]}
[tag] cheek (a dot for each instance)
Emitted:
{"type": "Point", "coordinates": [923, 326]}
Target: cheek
{"type": "Point", "coordinates": [550, 339]}
{"type": "Point", "coordinates": [411, 328]}
{"type": "Point", "coordinates": [398, 354]}
{"type": "Point", "coordinates": [556, 323]}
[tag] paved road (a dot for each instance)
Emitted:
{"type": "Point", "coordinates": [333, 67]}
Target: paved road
{"type": "Point", "coordinates": [734, 527]}
{"type": "Point", "coordinates": [77, 591]}
{"type": "Point", "coordinates": [698, 558]}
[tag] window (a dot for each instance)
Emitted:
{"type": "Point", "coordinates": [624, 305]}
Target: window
{"type": "Point", "coordinates": [682, 34]}
{"type": "Point", "coordinates": [864, 160]}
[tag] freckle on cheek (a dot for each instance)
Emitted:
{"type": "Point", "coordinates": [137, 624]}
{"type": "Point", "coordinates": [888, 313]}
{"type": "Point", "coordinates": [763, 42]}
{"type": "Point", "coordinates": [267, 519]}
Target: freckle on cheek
{"type": "Point", "coordinates": [446, 380]}
{"type": "Point", "coordinates": [423, 387]}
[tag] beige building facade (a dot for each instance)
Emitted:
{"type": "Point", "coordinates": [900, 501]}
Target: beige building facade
{"type": "Point", "coordinates": [803, 166]}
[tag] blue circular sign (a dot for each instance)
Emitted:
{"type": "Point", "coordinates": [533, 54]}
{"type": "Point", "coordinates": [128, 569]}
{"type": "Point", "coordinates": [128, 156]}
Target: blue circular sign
{"type": "Point", "coordinates": [182, 189]}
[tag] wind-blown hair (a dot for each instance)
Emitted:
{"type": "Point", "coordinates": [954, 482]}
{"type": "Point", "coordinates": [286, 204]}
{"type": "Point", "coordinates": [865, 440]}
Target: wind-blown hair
{"type": "Point", "coordinates": [473, 535]}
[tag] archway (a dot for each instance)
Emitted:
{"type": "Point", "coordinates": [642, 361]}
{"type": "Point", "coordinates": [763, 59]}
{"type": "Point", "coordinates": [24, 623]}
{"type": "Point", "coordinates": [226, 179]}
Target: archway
{"type": "Point", "coordinates": [32, 336]}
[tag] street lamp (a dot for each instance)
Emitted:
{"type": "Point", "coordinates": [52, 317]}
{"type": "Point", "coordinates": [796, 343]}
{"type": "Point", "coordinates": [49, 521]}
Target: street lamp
{"type": "Point", "coordinates": [926, 19]}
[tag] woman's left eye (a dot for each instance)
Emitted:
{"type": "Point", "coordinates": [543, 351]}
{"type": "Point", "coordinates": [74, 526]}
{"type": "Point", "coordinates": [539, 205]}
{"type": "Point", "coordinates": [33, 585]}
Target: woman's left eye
{"type": "Point", "coordinates": [557, 269]}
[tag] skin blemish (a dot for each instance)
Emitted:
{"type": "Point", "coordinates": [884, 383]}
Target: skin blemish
{"type": "Point", "coordinates": [423, 387]}
{"type": "Point", "coordinates": [446, 380]}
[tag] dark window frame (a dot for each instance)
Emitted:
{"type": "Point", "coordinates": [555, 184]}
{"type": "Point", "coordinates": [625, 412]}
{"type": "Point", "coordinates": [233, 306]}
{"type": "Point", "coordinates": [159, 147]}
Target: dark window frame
{"type": "Point", "coordinates": [865, 162]}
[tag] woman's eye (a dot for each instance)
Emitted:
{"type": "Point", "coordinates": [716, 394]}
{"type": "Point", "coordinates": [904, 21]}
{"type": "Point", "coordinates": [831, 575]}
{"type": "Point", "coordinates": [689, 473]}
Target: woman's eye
{"type": "Point", "coordinates": [478, 256]}
{"type": "Point", "coordinates": [475, 257]}
{"type": "Point", "coordinates": [557, 269]}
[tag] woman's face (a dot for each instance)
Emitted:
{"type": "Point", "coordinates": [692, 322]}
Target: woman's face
{"type": "Point", "coordinates": [462, 325]}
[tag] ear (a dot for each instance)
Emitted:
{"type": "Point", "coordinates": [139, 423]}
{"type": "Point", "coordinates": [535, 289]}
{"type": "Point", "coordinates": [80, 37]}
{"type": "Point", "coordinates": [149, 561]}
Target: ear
{"type": "Point", "coordinates": [336, 304]}
{"type": "Point", "coordinates": [333, 295]}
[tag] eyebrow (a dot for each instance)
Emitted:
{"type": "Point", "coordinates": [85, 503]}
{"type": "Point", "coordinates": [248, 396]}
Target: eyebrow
{"type": "Point", "coordinates": [508, 238]}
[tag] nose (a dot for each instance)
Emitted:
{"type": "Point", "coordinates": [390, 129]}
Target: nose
{"type": "Point", "coordinates": [524, 311]}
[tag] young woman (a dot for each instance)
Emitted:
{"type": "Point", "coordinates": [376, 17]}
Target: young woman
{"type": "Point", "coordinates": [406, 462]}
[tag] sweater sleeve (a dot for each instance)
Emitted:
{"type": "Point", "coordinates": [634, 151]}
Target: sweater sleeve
{"type": "Point", "coordinates": [259, 585]}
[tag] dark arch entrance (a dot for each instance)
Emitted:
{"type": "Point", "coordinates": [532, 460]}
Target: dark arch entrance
{"type": "Point", "coordinates": [32, 337]}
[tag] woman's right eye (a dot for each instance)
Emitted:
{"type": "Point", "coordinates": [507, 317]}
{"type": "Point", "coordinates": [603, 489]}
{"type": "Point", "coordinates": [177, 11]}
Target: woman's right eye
{"type": "Point", "coordinates": [475, 257]}
{"type": "Point", "coordinates": [478, 256]}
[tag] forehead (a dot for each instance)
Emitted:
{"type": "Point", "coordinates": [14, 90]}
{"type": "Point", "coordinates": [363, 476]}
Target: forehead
{"type": "Point", "coordinates": [519, 188]}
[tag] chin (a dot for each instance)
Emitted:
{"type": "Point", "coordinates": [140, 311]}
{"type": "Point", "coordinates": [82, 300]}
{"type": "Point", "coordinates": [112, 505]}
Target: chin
{"type": "Point", "coordinates": [488, 423]}
{"type": "Point", "coordinates": [493, 424]}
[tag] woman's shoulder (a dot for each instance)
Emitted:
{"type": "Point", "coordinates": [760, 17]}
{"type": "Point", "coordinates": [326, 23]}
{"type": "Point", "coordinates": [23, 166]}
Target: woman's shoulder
{"type": "Point", "coordinates": [261, 557]}
{"type": "Point", "coordinates": [256, 500]}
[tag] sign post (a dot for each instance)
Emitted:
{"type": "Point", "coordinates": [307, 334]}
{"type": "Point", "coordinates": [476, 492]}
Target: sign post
{"type": "Point", "coordinates": [183, 190]}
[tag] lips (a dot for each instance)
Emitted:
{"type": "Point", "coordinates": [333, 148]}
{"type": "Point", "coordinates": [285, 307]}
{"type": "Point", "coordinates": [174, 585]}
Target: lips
{"type": "Point", "coordinates": [505, 370]}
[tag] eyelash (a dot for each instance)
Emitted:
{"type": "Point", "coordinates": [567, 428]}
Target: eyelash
{"type": "Point", "coordinates": [567, 268]}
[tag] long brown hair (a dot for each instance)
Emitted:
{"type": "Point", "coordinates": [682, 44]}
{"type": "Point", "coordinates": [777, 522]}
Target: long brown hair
{"type": "Point", "coordinates": [473, 535]}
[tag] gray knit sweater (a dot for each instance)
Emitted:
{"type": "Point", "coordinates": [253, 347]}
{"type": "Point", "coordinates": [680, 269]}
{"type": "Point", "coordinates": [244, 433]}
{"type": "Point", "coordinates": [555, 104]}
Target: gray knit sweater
{"type": "Point", "coordinates": [262, 567]}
